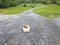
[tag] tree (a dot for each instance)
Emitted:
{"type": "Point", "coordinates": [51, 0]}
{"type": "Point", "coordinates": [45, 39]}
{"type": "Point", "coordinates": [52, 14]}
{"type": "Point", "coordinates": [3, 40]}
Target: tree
{"type": "Point", "coordinates": [4, 3]}
{"type": "Point", "coordinates": [8, 3]}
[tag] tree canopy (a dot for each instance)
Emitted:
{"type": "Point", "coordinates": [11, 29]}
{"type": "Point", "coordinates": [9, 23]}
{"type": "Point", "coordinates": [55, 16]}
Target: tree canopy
{"type": "Point", "coordinates": [12, 3]}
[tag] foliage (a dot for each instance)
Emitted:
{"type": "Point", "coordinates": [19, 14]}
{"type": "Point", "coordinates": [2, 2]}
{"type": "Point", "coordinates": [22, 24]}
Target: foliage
{"type": "Point", "coordinates": [58, 2]}
{"type": "Point", "coordinates": [13, 3]}
{"type": "Point", "coordinates": [7, 3]}
{"type": "Point", "coordinates": [25, 5]}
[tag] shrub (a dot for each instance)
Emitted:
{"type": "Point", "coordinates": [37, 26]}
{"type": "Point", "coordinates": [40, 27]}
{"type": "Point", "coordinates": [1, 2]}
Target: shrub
{"type": "Point", "coordinates": [25, 5]}
{"type": "Point", "coordinates": [4, 5]}
{"type": "Point", "coordinates": [58, 2]}
{"type": "Point", "coordinates": [13, 4]}
{"type": "Point", "coordinates": [32, 6]}
{"type": "Point", "coordinates": [44, 1]}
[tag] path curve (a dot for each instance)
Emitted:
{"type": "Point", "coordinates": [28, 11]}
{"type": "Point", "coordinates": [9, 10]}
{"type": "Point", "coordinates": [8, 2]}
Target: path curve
{"type": "Point", "coordinates": [43, 31]}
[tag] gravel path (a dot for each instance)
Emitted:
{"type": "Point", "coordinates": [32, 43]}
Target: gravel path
{"type": "Point", "coordinates": [43, 31]}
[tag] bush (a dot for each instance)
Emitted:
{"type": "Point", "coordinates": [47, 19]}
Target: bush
{"type": "Point", "coordinates": [58, 2]}
{"type": "Point", "coordinates": [13, 4]}
{"type": "Point", "coordinates": [44, 1]}
{"type": "Point", "coordinates": [25, 5]}
{"type": "Point", "coordinates": [4, 5]}
{"type": "Point", "coordinates": [32, 6]}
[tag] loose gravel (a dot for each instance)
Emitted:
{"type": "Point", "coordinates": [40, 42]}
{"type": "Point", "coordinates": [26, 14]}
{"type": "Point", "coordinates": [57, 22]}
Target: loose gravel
{"type": "Point", "coordinates": [43, 31]}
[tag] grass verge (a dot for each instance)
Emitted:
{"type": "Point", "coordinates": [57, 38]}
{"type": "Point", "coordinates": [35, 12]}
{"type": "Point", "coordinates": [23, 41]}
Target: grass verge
{"type": "Point", "coordinates": [14, 10]}
{"type": "Point", "coordinates": [49, 11]}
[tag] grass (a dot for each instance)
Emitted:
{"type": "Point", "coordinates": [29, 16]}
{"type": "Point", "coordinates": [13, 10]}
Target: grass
{"type": "Point", "coordinates": [14, 10]}
{"type": "Point", "coordinates": [17, 10]}
{"type": "Point", "coordinates": [49, 11]}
